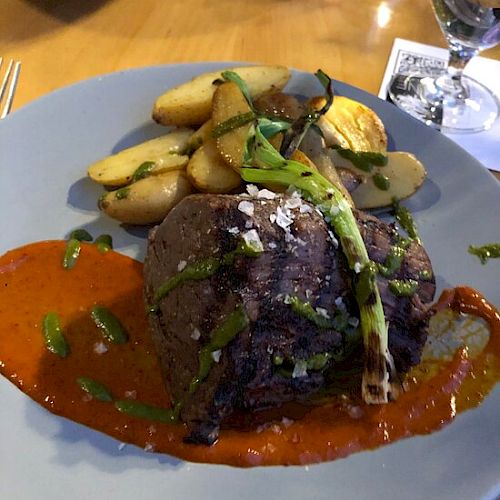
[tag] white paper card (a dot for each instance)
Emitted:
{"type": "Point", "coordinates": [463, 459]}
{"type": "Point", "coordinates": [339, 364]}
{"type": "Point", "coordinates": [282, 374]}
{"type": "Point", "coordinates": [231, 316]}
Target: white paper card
{"type": "Point", "coordinates": [408, 57]}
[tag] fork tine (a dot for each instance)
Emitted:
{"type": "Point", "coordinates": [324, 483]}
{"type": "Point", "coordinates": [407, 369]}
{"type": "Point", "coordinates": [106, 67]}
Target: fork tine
{"type": "Point", "coordinates": [6, 79]}
{"type": "Point", "coordinates": [12, 87]}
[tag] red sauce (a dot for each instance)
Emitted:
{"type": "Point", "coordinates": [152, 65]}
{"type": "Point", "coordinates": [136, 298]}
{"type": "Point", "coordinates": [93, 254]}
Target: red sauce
{"type": "Point", "coordinates": [33, 282]}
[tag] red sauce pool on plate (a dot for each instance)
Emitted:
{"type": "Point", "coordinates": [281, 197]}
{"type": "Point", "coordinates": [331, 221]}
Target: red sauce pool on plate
{"type": "Point", "coordinates": [33, 282]}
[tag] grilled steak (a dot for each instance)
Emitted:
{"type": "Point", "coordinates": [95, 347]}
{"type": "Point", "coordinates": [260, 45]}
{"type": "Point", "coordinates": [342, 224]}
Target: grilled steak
{"type": "Point", "coordinates": [281, 355]}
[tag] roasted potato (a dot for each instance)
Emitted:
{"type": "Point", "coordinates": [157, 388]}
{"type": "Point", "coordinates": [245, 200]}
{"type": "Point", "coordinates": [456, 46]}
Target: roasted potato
{"type": "Point", "coordinates": [228, 103]}
{"type": "Point", "coordinates": [148, 200]}
{"type": "Point", "coordinates": [209, 173]}
{"type": "Point", "coordinates": [191, 103]}
{"type": "Point", "coordinates": [404, 173]}
{"type": "Point", "coordinates": [203, 134]}
{"type": "Point", "coordinates": [118, 169]}
{"type": "Point", "coordinates": [356, 126]}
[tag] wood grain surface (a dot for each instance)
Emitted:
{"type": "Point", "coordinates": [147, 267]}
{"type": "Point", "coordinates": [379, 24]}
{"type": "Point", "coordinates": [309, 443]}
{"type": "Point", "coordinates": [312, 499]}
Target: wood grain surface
{"type": "Point", "coordinates": [63, 41]}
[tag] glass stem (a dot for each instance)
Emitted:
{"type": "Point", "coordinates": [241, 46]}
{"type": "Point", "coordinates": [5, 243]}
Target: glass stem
{"type": "Point", "coordinates": [451, 83]}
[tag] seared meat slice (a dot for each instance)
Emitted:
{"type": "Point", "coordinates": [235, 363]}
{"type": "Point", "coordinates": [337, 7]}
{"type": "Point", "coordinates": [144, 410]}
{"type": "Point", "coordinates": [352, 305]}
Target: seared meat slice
{"type": "Point", "coordinates": [300, 259]}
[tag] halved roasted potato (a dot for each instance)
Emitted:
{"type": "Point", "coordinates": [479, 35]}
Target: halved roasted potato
{"type": "Point", "coordinates": [356, 126]}
{"type": "Point", "coordinates": [209, 173]}
{"type": "Point", "coordinates": [164, 151]}
{"type": "Point", "coordinates": [201, 135]}
{"type": "Point", "coordinates": [148, 200]}
{"type": "Point", "coordinates": [191, 103]}
{"type": "Point", "coordinates": [402, 176]}
{"type": "Point", "coordinates": [228, 104]}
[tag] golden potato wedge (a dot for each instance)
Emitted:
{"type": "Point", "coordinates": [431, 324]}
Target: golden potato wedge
{"type": "Point", "coordinates": [147, 201]}
{"type": "Point", "coordinates": [118, 169]}
{"type": "Point", "coordinates": [191, 103]}
{"type": "Point", "coordinates": [229, 102]}
{"type": "Point", "coordinates": [404, 173]}
{"type": "Point", "coordinates": [207, 171]}
{"type": "Point", "coordinates": [355, 124]}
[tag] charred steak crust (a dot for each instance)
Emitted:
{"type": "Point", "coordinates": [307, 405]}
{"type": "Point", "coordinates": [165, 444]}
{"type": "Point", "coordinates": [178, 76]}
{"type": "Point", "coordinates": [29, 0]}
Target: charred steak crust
{"type": "Point", "coordinates": [308, 265]}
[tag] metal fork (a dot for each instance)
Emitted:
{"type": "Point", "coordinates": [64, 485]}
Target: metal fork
{"type": "Point", "coordinates": [9, 84]}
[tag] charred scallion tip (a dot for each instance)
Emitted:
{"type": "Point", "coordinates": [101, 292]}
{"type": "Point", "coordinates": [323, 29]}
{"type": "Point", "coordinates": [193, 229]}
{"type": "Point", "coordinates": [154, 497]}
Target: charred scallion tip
{"type": "Point", "coordinates": [71, 253]}
{"type": "Point", "coordinates": [80, 235]}
{"type": "Point", "coordinates": [143, 171]}
{"type": "Point", "coordinates": [109, 325]}
{"type": "Point", "coordinates": [486, 252]}
{"type": "Point", "coordinates": [148, 412]}
{"type": "Point", "coordinates": [270, 167]}
{"type": "Point", "coordinates": [295, 134]}
{"type": "Point", "coordinates": [95, 389]}
{"type": "Point", "coordinates": [104, 243]}
{"type": "Point", "coordinates": [53, 335]}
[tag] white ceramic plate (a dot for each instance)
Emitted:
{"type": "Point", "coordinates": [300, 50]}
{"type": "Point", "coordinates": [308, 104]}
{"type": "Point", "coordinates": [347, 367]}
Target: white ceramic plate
{"type": "Point", "coordinates": [44, 149]}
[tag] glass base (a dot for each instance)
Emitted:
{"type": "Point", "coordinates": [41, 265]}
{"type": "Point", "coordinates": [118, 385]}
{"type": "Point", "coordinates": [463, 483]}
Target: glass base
{"type": "Point", "coordinates": [472, 109]}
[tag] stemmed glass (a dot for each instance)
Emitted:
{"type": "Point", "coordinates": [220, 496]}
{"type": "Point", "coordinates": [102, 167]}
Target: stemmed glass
{"type": "Point", "coordinates": [453, 102]}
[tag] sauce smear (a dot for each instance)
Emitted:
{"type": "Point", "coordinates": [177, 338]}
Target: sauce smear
{"type": "Point", "coordinates": [33, 282]}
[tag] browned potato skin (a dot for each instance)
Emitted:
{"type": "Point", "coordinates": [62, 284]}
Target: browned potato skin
{"type": "Point", "coordinates": [191, 103]}
{"type": "Point", "coordinates": [149, 200]}
{"type": "Point", "coordinates": [209, 173]}
{"type": "Point", "coordinates": [229, 102]}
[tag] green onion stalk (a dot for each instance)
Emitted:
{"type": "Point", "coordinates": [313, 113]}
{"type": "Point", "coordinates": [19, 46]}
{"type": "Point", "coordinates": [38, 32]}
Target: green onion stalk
{"type": "Point", "coordinates": [268, 166]}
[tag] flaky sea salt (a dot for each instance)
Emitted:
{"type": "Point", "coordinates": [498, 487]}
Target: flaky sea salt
{"type": "Point", "coordinates": [265, 194]}
{"type": "Point", "coordinates": [323, 312]}
{"type": "Point", "coordinates": [252, 239]}
{"type": "Point", "coordinates": [252, 190]}
{"type": "Point", "coordinates": [357, 267]}
{"type": "Point", "coordinates": [305, 209]}
{"type": "Point", "coordinates": [246, 207]}
{"type": "Point", "coordinates": [216, 355]}
{"type": "Point", "coordinates": [293, 203]}
{"type": "Point", "coordinates": [233, 230]}
{"type": "Point", "coordinates": [181, 265]}
{"type": "Point", "coordinates": [100, 348]}
{"type": "Point", "coordinates": [300, 369]}
{"type": "Point", "coordinates": [283, 220]}
{"type": "Point", "coordinates": [196, 334]}
{"type": "Point", "coordinates": [272, 245]}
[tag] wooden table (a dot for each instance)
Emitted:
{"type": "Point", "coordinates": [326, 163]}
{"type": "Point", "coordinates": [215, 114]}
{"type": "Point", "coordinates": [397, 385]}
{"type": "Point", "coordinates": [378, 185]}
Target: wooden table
{"type": "Point", "coordinates": [64, 41]}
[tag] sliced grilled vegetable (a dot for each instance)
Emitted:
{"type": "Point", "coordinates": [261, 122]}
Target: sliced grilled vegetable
{"type": "Point", "coordinates": [379, 375]}
{"type": "Point", "coordinates": [109, 325]}
{"type": "Point", "coordinates": [71, 253]}
{"type": "Point", "coordinates": [165, 152]}
{"type": "Point", "coordinates": [53, 335]}
{"type": "Point", "coordinates": [95, 389]}
{"type": "Point", "coordinates": [209, 173]}
{"type": "Point", "coordinates": [191, 103]}
{"type": "Point", "coordinates": [486, 252]}
{"type": "Point", "coordinates": [104, 243]}
{"type": "Point", "coordinates": [148, 412]}
{"type": "Point", "coordinates": [80, 235]}
{"type": "Point", "coordinates": [148, 200]}
{"type": "Point", "coordinates": [355, 125]}
{"type": "Point", "coordinates": [399, 178]}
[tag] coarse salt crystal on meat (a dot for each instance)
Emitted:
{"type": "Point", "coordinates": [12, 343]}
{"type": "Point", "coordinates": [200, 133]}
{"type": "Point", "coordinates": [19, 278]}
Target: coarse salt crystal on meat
{"type": "Point", "coordinates": [252, 239]}
{"type": "Point", "coordinates": [246, 207]}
